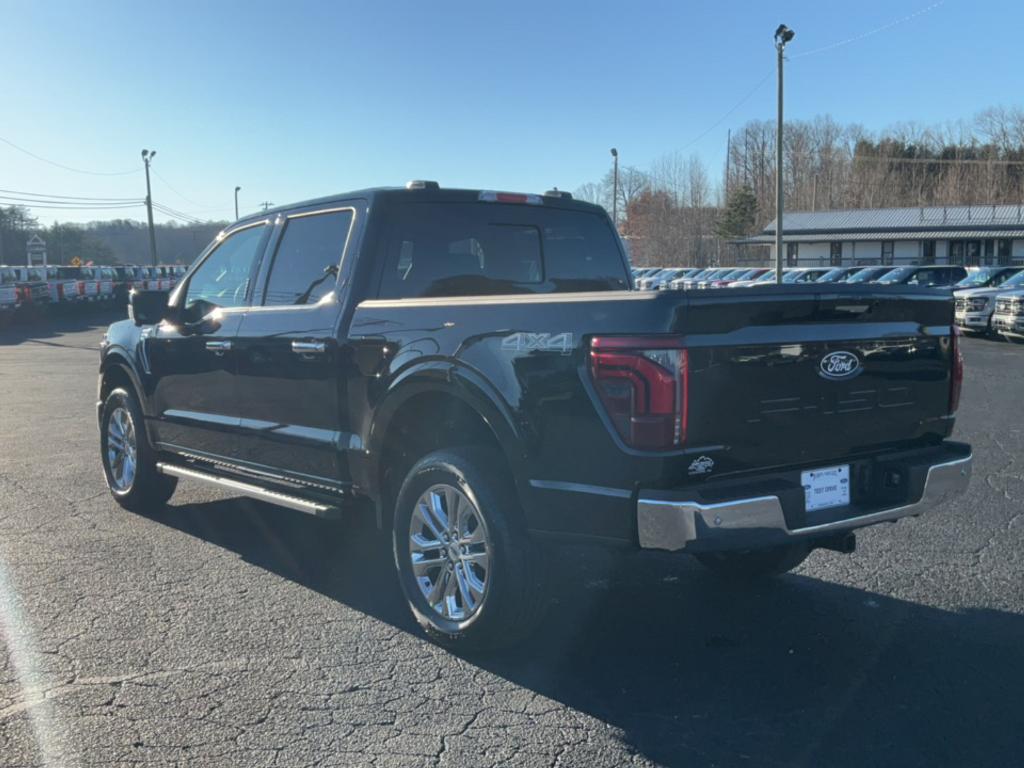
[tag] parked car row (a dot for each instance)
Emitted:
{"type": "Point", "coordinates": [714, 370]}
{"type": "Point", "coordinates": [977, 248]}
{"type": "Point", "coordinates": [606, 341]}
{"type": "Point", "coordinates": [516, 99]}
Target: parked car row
{"type": "Point", "coordinates": [988, 300]}
{"type": "Point", "coordinates": [675, 278]}
{"type": "Point", "coordinates": [28, 290]}
{"type": "Point", "coordinates": [991, 301]}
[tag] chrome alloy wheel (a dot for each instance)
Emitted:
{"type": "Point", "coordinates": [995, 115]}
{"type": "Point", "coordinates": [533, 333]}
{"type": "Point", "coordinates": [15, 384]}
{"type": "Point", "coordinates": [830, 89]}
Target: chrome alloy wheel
{"type": "Point", "coordinates": [121, 449]}
{"type": "Point", "coordinates": [450, 551]}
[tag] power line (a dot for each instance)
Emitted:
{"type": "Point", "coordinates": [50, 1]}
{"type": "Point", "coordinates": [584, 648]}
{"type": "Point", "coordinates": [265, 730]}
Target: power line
{"type": "Point", "coordinates": [915, 160]}
{"type": "Point", "coordinates": [176, 214]}
{"type": "Point", "coordinates": [66, 167]}
{"type": "Point", "coordinates": [80, 207]}
{"type": "Point", "coordinates": [187, 199]}
{"type": "Point", "coordinates": [68, 197]}
{"type": "Point", "coordinates": [724, 117]}
{"type": "Point", "coordinates": [812, 52]}
{"type": "Point", "coordinates": [869, 33]}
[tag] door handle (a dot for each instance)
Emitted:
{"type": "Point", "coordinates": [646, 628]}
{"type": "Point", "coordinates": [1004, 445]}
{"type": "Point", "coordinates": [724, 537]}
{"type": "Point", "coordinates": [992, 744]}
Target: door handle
{"type": "Point", "coordinates": [309, 347]}
{"type": "Point", "coordinates": [218, 347]}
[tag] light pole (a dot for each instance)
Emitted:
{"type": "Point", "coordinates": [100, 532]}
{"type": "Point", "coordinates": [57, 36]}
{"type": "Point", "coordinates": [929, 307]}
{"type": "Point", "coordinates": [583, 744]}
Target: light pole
{"type": "Point", "coordinates": [615, 189]}
{"type": "Point", "coordinates": [147, 156]}
{"type": "Point", "coordinates": [236, 202]}
{"type": "Point", "coordinates": [782, 36]}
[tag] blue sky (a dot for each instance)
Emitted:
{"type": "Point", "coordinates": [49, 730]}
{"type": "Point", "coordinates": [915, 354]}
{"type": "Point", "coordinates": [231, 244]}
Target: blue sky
{"type": "Point", "coordinates": [300, 99]}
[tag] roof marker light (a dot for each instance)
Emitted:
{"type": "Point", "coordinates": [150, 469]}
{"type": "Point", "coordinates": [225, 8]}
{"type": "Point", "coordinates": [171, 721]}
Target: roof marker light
{"type": "Point", "coordinates": [509, 197]}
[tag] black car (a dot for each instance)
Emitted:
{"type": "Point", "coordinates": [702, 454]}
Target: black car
{"type": "Point", "coordinates": [471, 369]}
{"type": "Point", "coordinates": [838, 274]}
{"type": "Point", "coordinates": [868, 274]}
{"type": "Point", "coordinates": [931, 276]}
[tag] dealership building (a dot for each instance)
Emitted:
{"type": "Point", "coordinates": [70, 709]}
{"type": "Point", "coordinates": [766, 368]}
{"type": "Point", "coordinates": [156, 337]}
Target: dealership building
{"type": "Point", "coordinates": [971, 235]}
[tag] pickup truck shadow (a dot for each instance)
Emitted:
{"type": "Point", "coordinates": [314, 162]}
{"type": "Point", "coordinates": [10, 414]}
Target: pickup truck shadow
{"type": "Point", "coordinates": [53, 324]}
{"type": "Point", "coordinates": [797, 671]}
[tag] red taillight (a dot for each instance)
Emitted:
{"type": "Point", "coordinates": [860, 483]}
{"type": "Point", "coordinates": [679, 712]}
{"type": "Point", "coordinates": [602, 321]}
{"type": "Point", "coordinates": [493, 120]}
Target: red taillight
{"type": "Point", "coordinates": [643, 384]}
{"type": "Point", "coordinates": [956, 379]}
{"type": "Point", "coordinates": [81, 287]}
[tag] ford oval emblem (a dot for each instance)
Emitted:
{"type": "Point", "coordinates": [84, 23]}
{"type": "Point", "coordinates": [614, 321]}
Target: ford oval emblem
{"type": "Point", "coordinates": [839, 365]}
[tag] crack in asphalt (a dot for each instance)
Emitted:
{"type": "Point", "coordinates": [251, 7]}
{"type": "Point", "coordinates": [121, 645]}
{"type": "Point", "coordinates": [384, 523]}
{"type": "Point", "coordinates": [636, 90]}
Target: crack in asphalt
{"type": "Point", "coordinates": [227, 633]}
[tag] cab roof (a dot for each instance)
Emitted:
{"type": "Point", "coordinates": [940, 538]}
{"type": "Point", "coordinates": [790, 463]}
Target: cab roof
{"type": "Point", "coordinates": [427, 193]}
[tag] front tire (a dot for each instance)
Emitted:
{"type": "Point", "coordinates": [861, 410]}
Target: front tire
{"type": "Point", "coordinates": [755, 564]}
{"type": "Point", "coordinates": [129, 465]}
{"type": "Point", "coordinates": [467, 566]}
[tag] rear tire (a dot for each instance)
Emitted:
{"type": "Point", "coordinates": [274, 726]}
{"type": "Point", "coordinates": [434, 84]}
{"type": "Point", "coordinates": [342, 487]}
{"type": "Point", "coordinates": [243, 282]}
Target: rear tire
{"type": "Point", "coordinates": [755, 564]}
{"type": "Point", "coordinates": [468, 568]}
{"type": "Point", "coordinates": [129, 464]}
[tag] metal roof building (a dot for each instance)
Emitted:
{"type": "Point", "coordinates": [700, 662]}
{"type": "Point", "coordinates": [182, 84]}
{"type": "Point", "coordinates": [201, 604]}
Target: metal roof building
{"type": "Point", "coordinates": [971, 235]}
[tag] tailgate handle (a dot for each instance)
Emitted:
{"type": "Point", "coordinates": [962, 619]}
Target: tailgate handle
{"type": "Point", "coordinates": [219, 347]}
{"type": "Point", "coordinates": [309, 347]}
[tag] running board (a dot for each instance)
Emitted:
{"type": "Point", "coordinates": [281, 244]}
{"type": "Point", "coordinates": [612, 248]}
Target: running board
{"type": "Point", "coordinates": [252, 491]}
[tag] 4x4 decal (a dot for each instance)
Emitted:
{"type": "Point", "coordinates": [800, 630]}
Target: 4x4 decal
{"type": "Point", "coordinates": [547, 342]}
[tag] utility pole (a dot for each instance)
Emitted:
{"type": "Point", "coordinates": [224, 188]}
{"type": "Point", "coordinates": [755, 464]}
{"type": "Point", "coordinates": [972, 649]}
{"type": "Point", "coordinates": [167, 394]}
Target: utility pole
{"type": "Point", "coordinates": [615, 189]}
{"type": "Point", "coordinates": [147, 156]}
{"type": "Point", "coordinates": [236, 202]}
{"type": "Point", "coordinates": [265, 205]}
{"type": "Point", "coordinates": [728, 160]}
{"type": "Point", "coordinates": [782, 36]}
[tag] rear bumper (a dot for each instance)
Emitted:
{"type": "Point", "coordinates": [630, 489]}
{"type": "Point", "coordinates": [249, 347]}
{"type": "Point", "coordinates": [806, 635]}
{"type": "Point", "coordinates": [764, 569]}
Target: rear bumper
{"type": "Point", "coordinates": [685, 524]}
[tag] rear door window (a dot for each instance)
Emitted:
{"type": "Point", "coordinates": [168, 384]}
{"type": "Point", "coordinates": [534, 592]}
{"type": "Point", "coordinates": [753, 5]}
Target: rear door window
{"type": "Point", "coordinates": [305, 267]}
{"type": "Point", "coordinates": [466, 249]}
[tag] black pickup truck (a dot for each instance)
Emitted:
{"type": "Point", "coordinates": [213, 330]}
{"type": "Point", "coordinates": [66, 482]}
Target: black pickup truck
{"type": "Point", "coordinates": [474, 369]}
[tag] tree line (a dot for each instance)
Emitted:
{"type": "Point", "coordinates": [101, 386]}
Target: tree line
{"type": "Point", "coordinates": [672, 214]}
{"type": "Point", "coordinates": [119, 241]}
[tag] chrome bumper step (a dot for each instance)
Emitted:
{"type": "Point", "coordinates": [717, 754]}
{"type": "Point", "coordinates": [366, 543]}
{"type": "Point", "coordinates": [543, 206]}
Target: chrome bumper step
{"type": "Point", "coordinates": [686, 524]}
{"type": "Point", "coordinates": [315, 508]}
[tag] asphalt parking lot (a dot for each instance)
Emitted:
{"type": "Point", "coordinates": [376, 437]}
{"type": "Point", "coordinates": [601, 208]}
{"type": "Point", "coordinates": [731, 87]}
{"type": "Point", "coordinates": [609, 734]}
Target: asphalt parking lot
{"type": "Point", "coordinates": [225, 632]}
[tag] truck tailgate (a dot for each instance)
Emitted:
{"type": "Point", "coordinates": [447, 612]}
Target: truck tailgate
{"type": "Point", "coordinates": [781, 378]}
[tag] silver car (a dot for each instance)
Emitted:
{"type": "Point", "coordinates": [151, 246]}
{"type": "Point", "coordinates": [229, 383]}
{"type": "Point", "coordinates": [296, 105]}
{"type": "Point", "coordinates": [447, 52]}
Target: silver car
{"type": "Point", "coordinates": [1008, 317]}
{"type": "Point", "coordinates": [974, 307]}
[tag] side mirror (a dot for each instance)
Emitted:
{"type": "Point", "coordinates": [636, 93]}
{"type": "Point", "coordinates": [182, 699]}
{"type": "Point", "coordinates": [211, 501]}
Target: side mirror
{"type": "Point", "coordinates": [204, 326]}
{"type": "Point", "coordinates": [147, 307]}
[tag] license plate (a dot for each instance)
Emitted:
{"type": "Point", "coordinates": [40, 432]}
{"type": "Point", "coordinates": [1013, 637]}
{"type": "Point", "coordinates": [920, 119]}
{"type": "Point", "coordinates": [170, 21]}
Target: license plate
{"type": "Point", "coordinates": [827, 487]}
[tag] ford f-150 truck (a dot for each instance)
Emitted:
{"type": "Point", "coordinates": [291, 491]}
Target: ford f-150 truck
{"type": "Point", "coordinates": [474, 369]}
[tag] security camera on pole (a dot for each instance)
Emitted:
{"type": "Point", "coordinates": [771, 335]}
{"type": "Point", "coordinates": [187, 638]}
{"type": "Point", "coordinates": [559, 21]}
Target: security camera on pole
{"type": "Point", "coordinates": [782, 36]}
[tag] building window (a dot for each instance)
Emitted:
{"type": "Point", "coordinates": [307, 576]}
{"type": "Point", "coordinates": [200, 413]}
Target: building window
{"type": "Point", "coordinates": [887, 249]}
{"type": "Point", "coordinates": [1005, 249]}
{"type": "Point", "coordinates": [792, 254]}
{"type": "Point", "coordinates": [972, 253]}
{"type": "Point", "coordinates": [835, 253]}
{"type": "Point", "coordinates": [956, 252]}
{"type": "Point", "coordinates": [928, 252]}
{"type": "Point", "coordinates": [990, 252]}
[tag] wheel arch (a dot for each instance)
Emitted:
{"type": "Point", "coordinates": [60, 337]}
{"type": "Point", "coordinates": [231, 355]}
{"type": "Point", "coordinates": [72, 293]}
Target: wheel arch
{"type": "Point", "coordinates": [429, 409]}
{"type": "Point", "coordinates": [116, 370]}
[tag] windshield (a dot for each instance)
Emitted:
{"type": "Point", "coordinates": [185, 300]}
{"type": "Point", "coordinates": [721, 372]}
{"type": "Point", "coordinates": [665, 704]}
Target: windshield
{"type": "Point", "coordinates": [1014, 282]}
{"type": "Point", "coordinates": [834, 275]}
{"type": "Point", "coordinates": [897, 275]}
{"type": "Point", "coordinates": [867, 274]}
{"type": "Point", "coordinates": [987, 277]}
